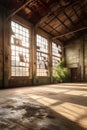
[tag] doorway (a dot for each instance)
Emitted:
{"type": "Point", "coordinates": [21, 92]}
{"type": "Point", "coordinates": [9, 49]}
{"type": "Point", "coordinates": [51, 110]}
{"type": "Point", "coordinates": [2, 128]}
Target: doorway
{"type": "Point", "coordinates": [74, 74]}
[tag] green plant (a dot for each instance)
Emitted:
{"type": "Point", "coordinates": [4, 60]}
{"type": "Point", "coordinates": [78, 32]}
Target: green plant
{"type": "Point", "coordinates": [62, 73]}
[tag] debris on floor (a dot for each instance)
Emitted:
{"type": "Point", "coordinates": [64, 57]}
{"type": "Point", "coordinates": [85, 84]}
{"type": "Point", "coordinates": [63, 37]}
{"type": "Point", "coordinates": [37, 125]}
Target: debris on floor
{"type": "Point", "coordinates": [49, 107]}
{"type": "Point", "coordinates": [21, 114]}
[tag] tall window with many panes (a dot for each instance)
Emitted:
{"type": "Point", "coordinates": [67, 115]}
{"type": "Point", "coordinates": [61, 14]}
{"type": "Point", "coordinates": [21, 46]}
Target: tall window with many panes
{"type": "Point", "coordinates": [56, 55]}
{"type": "Point", "coordinates": [19, 50]}
{"type": "Point", "coordinates": [42, 56]}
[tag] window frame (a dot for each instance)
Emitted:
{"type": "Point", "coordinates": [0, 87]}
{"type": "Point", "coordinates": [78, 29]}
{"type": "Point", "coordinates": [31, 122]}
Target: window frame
{"type": "Point", "coordinates": [23, 47]}
{"type": "Point", "coordinates": [43, 53]}
{"type": "Point", "coordinates": [55, 56]}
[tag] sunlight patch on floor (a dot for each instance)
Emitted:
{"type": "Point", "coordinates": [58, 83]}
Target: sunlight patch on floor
{"type": "Point", "coordinates": [71, 111]}
{"type": "Point", "coordinates": [76, 92]}
{"type": "Point", "coordinates": [43, 100]}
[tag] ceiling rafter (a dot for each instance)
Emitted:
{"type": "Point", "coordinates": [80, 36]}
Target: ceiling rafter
{"type": "Point", "coordinates": [71, 39]}
{"type": "Point", "coordinates": [63, 23]}
{"type": "Point", "coordinates": [58, 25]}
{"type": "Point", "coordinates": [75, 12]}
{"type": "Point", "coordinates": [78, 35]}
{"type": "Point", "coordinates": [82, 9]}
{"type": "Point", "coordinates": [78, 24]}
{"type": "Point", "coordinates": [53, 19]}
{"type": "Point", "coordinates": [54, 29]}
{"type": "Point", "coordinates": [59, 11]}
{"type": "Point", "coordinates": [69, 18]}
{"type": "Point", "coordinates": [43, 3]}
{"type": "Point", "coordinates": [50, 34]}
{"type": "Point", "coordinates": [45, 16]}
{"type": "Point", "coordinates": [49, 21]}
{"type": "Point", "coordinates": [82, 6]}
{"type": "Point", "coordinates": [73, 24]}
{"type": "Point", "coordinates": [35, 13]}
{"type": "Point", "coordinates": [18, 9]}
{"type": "Point", "coordinates": [71, 32]}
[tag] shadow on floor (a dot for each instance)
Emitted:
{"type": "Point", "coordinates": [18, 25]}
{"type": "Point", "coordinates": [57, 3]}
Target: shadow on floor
{"type": "Point", "coordinates": [63, 97]}
{"type": "Point", "coordinates": [25, 113]}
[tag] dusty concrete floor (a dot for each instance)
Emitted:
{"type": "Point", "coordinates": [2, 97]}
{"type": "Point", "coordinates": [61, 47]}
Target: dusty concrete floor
{"type": "Point", "coordinates": [50, 107]}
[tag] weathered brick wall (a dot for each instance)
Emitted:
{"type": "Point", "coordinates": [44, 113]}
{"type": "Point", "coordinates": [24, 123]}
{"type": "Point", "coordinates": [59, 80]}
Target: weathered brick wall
{"type": "Point", "coordinates": [76, 56]}
{"type": "Point", "coordinates": [72, 53]}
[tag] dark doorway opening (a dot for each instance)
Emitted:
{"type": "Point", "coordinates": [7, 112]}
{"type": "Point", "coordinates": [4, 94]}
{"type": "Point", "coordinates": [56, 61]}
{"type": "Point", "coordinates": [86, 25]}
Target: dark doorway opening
{"type": "Point", "coordinates": [74, 74]}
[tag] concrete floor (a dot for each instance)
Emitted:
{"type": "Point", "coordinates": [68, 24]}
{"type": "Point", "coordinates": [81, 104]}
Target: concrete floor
{"type": "Point", "coordinates": [49, 107]}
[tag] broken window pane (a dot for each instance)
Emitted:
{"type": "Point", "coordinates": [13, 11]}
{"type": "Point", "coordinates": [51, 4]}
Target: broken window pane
{"type": "Point", "coordinates": [19, 50]}
{"type": "Point", "coordinates": [21, 57]}
{"type": "Point", "coordinates": [56, 55]}
{"type": "Point", "coordinates": [42, 56]}
{"type": "Point", "coordinates": [17, 41]}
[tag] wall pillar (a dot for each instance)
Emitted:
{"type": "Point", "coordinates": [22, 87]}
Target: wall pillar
{"type": "Point", "coordinates": [34, 57]}
{"type": "Point", "coordinates": [1, 48]}
{"type": "Point", "coordinates": [6, 52]}
{"type": "Point", "coordinates": [82, 58]}
{"type": "Point", "coordinates": [50, 60]}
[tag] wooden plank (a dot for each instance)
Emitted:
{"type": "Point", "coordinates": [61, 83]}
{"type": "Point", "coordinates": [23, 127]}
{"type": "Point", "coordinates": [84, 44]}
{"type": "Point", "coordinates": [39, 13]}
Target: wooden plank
{"type": "Point", "coordinates": [71, 32]}
{"type": "Point", "coordinates": [18, 9]}
{"type": "Point", "coordinates": [59, 11]}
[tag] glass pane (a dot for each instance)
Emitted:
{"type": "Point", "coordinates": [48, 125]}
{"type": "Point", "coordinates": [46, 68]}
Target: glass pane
{"type": "Point", "coordinates": [42, 56]}
{"type": "Point", "coordinates": [56, 55]}
{"type": "Point", "coordinates": [19, 50]}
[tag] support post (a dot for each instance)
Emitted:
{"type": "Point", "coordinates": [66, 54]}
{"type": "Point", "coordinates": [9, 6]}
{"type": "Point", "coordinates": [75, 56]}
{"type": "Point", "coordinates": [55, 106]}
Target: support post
{"type": "Point", "coordinates": [34, 56]}
{"type": "Point", "coordinates": [82, 58]}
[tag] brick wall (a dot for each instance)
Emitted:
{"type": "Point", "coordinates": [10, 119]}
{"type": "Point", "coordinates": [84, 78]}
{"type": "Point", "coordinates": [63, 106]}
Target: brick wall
{"type": "Point", "coordinates": [76, 56]}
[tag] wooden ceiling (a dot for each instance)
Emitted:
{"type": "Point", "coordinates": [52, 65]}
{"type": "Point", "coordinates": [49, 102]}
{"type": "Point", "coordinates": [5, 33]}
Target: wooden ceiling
{"type": "Point", "coordinates": [62, 19]}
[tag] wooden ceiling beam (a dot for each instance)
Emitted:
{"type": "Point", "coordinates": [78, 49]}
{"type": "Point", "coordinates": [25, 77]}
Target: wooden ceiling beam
{"type": "Point", "coordinates": [35, 13]}
{"type": "Point", "coordinates": [53, 29]}
{"type": "Point", "coordinates": [43, 3]}
{"type": "Point", "coordinates": [75, 12]}
{"type": "Point", "coordinates": [49, 34]}
{"type": "Point", "coordinates": [73, 24]}
{"type": "Point", "coordinates": [84, 14]}
{"type": "Point", "coordinates": [18, 9]}
{"type": "Point", "coordinates": [63, 23]}
{"type": "Point", "coordinates": [71, 32]}
{"type": "Point", "coordinates": [78, 24]}
{"type": "Point", "coordinates": [58, 12]}
{"type": "Point", "coordinates": [79, 18]}
{"type": "Point", "coordinates": [69, 18]}
{"type": "Point", "coordinates": [45, 16]}
{"type": "Point", "coordinates": [82, 6]}
{"type": "Point", "coordinates": [56, 31]}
